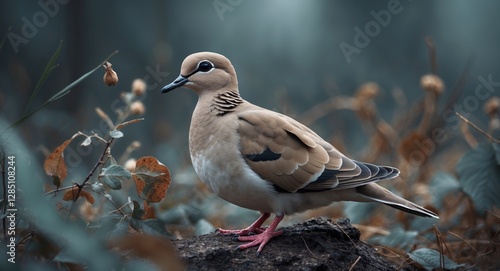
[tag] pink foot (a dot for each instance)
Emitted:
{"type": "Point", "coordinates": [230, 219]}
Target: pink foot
{"type": "Point", "coordinates": [254, 228]}
{"type": "Point", "coordinates": [261, 239]}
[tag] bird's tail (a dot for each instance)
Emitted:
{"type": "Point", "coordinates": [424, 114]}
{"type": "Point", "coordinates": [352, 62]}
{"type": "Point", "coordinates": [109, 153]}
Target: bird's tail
{"type": "Point", "coordinates": [375, 192]}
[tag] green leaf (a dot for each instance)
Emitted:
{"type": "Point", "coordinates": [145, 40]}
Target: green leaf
{"type": "Point", "coordinates": [45, 74]}
{"type": "Point", "coordinates": [154, 227]}
{"type": "Point", "coordinates": [114, 175]}
{"type": "Point", "coordinates": [397, 238]}
{"type": "Point", "coordinates": [480, 177]}
{"type": "Point", "coordinates": [109, 226]}
{"type": "Point", "coordinates": [431, 259]}
{"type": "Point", "coordinates": [203, 227]}
{"type": "Point", "coordinates": [87, 141]}
{"type": "Point", "coordinates": [58, 95]}
{"type": "Point", "coordinates": [116, 134]}
{"type": "Point", "coordinates": [441, 185]}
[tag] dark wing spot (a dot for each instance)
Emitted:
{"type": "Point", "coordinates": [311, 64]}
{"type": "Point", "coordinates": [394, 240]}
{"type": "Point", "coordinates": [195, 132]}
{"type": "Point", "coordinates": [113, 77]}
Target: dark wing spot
{"type": "Point", "coordinates": [266, 155]}
{"type": "Point", "coordinates": [328, 174]}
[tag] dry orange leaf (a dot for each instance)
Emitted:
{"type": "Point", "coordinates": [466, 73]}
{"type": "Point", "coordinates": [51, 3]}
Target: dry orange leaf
{"type": "Point", "coordinates": [55, 164]}
{"type": "Point", "coordinates": [150, 211]}
{"type": "Point", "coordinates": [151, 178]}
{"type": "Point", "coordinates": [71, 194]}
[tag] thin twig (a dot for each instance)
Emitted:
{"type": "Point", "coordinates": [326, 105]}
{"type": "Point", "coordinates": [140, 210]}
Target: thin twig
{"type": "Point", "coordinates": [469, 138]}
{"type": "Point", "coordinates": [119, 208]}
{"type": "Point", "coordinates": [307, 247]}
{"type": "Point", "coordinates": [355, 262]}
{"type": "Point", "coordinates": [102, 160]}
{"type": "Point", "coordinates": [30, 236]}
{"type": "Point", "coordinates": [345, 233]}
{"type": "Point", "coordinates": [463, 240]}
{"type": "Point", "coordinates": [440, 244]}
{"type": "Point", "coordinates": [477, 128]}
{"type": "Point", "coordinates": [98, 137]}
{"type": "Point", "coordinates": [432, 54]}
{"type": "Point", "coordinates": [60, 189]}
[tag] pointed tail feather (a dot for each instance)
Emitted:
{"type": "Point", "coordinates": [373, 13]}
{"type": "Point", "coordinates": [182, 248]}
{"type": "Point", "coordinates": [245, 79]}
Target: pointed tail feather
{"type": "Point", "coordinates": [375, 192]}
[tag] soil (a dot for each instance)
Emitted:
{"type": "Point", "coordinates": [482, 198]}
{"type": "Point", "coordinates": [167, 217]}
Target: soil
{"type": "Point", "coordinates": [316, 244]}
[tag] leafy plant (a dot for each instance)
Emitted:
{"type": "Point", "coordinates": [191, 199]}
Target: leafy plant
{"type": "Point", "coordinates": [96, 210]}
{"type": "Point", "coordinates": [150, 177]}
{"type": "Point", "coordinates": [430, 259]}
{"type": "Point", "coordinates": [479, 171]}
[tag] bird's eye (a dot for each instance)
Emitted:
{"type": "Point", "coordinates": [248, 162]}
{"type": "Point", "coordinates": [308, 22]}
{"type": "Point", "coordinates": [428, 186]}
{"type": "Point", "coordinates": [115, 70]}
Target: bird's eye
{"type": "Point", "coordinates": [205, 66]}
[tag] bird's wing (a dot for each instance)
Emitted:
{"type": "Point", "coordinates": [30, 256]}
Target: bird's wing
{"type": "Point", "coordinates": [295, 159]}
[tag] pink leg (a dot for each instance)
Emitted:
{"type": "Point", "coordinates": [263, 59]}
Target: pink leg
{"type": "Point", "coordinates": [254, 228]}
{"type": "Point", "coordinates": [261, 239]}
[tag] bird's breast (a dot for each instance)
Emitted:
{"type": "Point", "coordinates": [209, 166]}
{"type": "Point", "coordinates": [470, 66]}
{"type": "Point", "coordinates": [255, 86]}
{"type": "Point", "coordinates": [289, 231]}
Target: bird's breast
{"type": "Point", "coordinates": [216, 158]}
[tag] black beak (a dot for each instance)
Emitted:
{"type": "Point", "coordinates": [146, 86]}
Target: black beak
{"type": "Point", "coordinates": [178, 82]}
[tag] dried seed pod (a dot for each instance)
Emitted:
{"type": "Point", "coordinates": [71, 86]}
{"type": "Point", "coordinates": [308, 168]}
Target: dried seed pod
{"type": "Point", "coordinates": [368, 91]}
{"type": "Point", "coordinates": [130, 164]}
{"type": "Point", "coordinates": [492, 106]}
{"type": "Point", "coordinates": [110, 77]}
{"type": "Point", "coordinates": [135, 144]}
{"type": "Point", "coordinates": [137, 108]}
{"type": "Point", "coordinates": [432, 83]}
{"type": "Point", "coordinates": [138, 87]}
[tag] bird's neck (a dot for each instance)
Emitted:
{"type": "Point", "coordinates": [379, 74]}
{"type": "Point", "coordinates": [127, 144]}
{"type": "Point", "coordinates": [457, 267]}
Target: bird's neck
{"type": "Point", "coordinates": [224, 102]}
{"type": "Point", "coordinates": [212, 112]}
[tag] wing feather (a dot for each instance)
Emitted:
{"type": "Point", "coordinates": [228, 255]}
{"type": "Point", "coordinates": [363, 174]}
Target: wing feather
{"type": "Point", "coordinates": [295, 159]}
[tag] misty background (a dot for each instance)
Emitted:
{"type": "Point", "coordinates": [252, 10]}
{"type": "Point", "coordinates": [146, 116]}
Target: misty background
{"type": "Point", "coordinates": [287, 55]}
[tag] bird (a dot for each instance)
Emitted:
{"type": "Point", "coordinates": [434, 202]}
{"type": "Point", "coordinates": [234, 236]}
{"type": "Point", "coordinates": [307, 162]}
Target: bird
{"type": "Point", "coordinates": [266, 161]}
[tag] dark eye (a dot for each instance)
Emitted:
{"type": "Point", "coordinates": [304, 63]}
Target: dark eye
{"type": "Point", "coordinates": [205, 66]}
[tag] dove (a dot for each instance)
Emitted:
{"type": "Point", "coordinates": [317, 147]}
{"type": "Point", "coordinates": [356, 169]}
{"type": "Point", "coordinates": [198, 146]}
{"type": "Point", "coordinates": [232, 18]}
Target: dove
{"type": "Point", "coordinates": [266, 161]}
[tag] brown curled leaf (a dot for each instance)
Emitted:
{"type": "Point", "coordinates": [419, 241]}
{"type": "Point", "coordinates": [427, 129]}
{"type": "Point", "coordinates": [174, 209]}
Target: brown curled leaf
{"type": "Point", "coordinates": [55, 165]}
{"type": "Point", "coordinates": [151, 178]}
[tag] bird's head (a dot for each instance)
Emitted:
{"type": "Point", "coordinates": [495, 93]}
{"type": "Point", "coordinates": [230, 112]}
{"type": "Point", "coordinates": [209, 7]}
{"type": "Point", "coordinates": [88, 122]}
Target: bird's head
{"type": "Point", "coordinates": [205, 72]}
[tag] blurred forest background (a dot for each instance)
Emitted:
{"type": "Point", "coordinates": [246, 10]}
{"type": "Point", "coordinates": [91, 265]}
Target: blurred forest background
{"type": "Point", "coordinates": [290, 56]}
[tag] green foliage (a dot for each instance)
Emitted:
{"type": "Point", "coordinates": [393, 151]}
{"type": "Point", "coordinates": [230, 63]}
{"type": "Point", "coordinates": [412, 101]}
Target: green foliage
{"type": "Point", "coordinates": [397, 238]}
{"type": "Point", "coordinates": [63, 230]}
{"type": "Point", "coordinates": [51, 65]}
{"type": "Point", "coordinates": [442, 184]}
{"type": "Point", "coordinates": [203, 227]}
{"type": "Point", "coordinates": [116, 134]}
{"type": "Point", "coordinates": [114, 175]}
{"type": "Point", "coordinates": [48, 69]}
{"type": "Point", "coordinates": [431, 259]}
{"type": "Point", "coordinates": [479, 173]}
